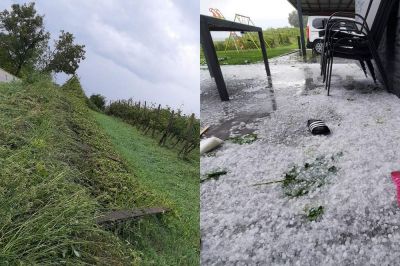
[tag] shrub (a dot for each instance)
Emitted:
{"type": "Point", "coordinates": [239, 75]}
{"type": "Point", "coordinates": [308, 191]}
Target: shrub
{"type": "Point", "coordinates": [98, 100]}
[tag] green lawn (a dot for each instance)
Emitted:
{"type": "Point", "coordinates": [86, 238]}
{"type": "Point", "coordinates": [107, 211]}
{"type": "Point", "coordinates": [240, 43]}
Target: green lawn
{"type": "Point", "coordinates": [160, 170]}
{"type": "Point", "coordinates": [241, 57]}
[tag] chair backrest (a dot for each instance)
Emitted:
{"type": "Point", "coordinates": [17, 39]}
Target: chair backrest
{"type": "Point", "coordinates": [367, 9]}
{"type": "Point", "coordinates": [376, 14]}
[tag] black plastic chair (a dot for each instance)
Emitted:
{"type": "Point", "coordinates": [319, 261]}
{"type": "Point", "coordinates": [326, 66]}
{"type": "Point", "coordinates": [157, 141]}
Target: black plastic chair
{"type": "Point", "coordinates": [351, 39]}
{"type": "Point", "coordinates": [337, 25]}
{"type": "Point", "coordinates": [357, 45]}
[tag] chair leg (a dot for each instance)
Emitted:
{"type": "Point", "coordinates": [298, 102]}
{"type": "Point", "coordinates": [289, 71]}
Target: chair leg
{"type": "Point", "coordinates": [330, 75]}
{"type": "Point", "coordinates": [327, 67]}
{"type": "Point", "coordinates": [322, 58]}
{"type": "Point", "coordinates": [379, 64]}
{"type": "Point", "coordinates": [322, 63]}
{"type": "Point", "coordinates": [371, 70]}
{"type": "Point", "coordinates": [363, 67]}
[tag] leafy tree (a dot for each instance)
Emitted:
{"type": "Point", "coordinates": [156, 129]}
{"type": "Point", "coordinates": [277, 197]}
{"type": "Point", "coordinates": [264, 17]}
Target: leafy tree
{"type": "Point", "coordinates": [66, 55]}
{"type": "Point", "coordinates": [24, 44]}
{"type": "Point", "coordinates": [294, 19]}
{"type": "Point", "coordinates": [23, 37]}
{"type": "Point", "coordinates": [98, 100]}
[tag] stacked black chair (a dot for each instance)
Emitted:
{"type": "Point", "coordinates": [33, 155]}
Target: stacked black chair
{"type": "Point", "coordinates": [352, 39]}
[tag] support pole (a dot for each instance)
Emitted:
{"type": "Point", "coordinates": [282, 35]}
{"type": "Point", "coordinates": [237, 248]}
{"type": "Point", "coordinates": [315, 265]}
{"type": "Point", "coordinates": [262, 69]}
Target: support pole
{"type": "Point", "coordinates": [213, 64]}
{"type": "Point", "coordinates": [301, 26]}
{"type": "Point", "coordinates": [299, 44]}
{"type": "Point", "coordinates": [264, 53]}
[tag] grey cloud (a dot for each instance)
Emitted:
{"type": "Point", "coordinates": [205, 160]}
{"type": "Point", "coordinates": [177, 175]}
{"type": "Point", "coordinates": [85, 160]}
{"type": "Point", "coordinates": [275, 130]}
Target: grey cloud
{"type": "Point", "coordinates": [153, 44]}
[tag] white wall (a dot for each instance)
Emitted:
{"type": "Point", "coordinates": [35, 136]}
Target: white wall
{"type": "Point", "coordinates": [362, 6]}
{"type": "Point", "coordinates": [6, 77]}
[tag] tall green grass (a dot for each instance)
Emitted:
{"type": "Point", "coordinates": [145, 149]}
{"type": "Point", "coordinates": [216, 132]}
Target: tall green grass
{"type": "Point", "coordinates": [47, 216]}
{"type": "Point", "coordinates": [59, 172]}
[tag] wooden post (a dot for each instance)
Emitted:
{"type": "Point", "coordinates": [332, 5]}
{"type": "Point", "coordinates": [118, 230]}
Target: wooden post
{"type": "Point", "coordinates": [189, 136]}
{"type": "Point", "coordinates": [167, 129]}
{"type": "Point", "coordinates": [157, 120]}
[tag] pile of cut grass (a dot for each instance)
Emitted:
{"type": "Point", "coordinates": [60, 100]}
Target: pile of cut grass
{"type": "Point", "coordinates": [300, 180]}
{"type": "Point", "coordinates": [176, 240]}
{"type": "Point", "coordinates": [245, 139]}
{"type": "Point", "coordinates": [59, 172]}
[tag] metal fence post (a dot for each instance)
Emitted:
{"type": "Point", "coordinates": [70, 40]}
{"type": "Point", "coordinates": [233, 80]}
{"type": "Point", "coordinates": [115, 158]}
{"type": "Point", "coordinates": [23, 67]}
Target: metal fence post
{"type": "Point", "coordinates": [301, 26]}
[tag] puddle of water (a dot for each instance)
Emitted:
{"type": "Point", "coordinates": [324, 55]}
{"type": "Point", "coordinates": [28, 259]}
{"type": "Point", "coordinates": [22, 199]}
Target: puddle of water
{"type": "Point", "coordinates": [251, 97]}
{"type": "Point", "coordinates": [254, 89]}
{"type": "Point", "coordinates": [261, 96]}
{"type": "Point", "coordinates": [225, 129]}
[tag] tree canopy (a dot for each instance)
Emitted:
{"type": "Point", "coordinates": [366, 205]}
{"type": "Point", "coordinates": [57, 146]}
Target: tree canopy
{"type": "Point", "coordinates": [67, 55]}
{"type": "Point", "coordinates": [294, 19]}
{"type": "Point", "coordinates": [22, 37]}
{"type": "Point", "coordinates": [24, 43]}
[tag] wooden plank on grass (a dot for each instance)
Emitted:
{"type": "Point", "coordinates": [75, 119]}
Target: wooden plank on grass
{"type": "Point", "coordinates": [123, 215]}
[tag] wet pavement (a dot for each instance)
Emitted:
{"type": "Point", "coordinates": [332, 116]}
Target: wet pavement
{"type": "Point", "coordinates": [252, 93]}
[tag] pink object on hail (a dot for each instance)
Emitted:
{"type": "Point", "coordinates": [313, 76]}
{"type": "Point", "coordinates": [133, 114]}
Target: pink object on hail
{"type": "Point", "coordinates": [396, 180]}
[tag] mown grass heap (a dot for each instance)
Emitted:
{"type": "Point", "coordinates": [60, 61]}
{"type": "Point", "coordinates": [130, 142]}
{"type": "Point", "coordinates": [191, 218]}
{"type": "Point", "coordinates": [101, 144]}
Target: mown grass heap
{"type": "Point", "coordinates": [245, 139]}
{"type": "Point", "coordinates": [160, 170]}
{"type": "Point", "coordinates": [59, 172]}
{"type": "Point", "coordinates": [173, 129]}
{"type": "Point", "coordinates": [300, 180]}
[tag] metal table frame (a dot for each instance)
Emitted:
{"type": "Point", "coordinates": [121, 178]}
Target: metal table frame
{"type": "Point", "coordinates": [208, 24]}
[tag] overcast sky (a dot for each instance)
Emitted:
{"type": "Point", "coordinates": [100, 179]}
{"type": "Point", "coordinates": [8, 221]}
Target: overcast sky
{"type": "Point", "coordinates": [148, 50]}
{"type": "Point", "coordinates": [264, 13]}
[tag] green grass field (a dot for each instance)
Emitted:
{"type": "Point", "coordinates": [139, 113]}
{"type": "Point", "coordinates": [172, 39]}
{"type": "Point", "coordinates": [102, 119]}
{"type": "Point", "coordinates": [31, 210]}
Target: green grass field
{"type": "Point", "coordinates": [160, 170]}
{"type": "Point", "coordinates": [64, 165]}
{"type": "Point", "coordinates": [233, 57]}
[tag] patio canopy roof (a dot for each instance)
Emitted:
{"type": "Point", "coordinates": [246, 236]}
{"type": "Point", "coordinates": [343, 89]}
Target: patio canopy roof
{"type": "Point", "coordinates": [324, 7]}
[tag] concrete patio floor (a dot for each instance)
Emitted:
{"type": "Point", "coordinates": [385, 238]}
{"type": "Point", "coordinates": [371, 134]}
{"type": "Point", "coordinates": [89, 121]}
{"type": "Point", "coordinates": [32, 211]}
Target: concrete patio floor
{"type": "Point", "coordinates": [260, 225]}
{"type": "Point", "coordinates": [252, 94]}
